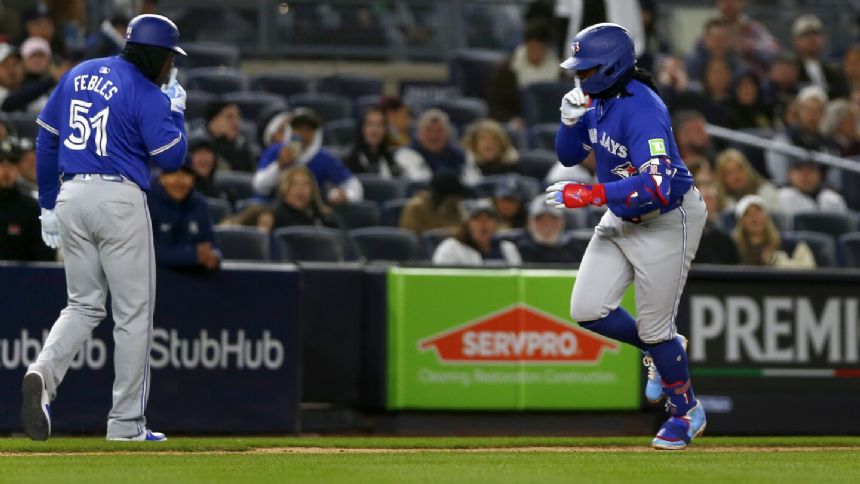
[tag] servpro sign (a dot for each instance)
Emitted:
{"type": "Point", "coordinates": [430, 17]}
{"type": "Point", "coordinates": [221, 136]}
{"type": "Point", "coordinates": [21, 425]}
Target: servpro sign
{"type": "Point", "coordinates": [499, 339]}
{"type": "Point", "coordinates": [520, 334]}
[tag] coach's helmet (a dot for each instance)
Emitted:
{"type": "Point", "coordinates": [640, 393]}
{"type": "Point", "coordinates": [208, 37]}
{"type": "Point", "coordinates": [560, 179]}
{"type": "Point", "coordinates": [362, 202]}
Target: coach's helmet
{"type": "Point", "coordinates": [607, 46]}
{"type": "Point", "coordinates": [156, 30]}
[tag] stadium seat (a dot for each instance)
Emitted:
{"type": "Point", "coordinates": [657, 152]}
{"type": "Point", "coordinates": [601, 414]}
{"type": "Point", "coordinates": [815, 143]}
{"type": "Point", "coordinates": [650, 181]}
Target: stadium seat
{"type": "Point", "coordinates": [327, 106]}
{"type": "Point", "coordinates": [529, 187]}
{"type": "Point", "coordinates": [379, 189]}
{"type": "Point", "coordinates": [537, 163]}
{"type": "Point", "coordinates": [519, 137]}
{"type": "Point", "coordinates": [577, 240]}
{"type": "Point", "coordinates": [542, 136]}
{"type": "Point", "coordinates": [195, 105]}
{"type": "Point", "coordinates": [471, 70]}
{"type": "Point", "coordinates": [282, 84]}
{"type": "Point", "coordinates": [252, 104]}
{"type": "Point", "coordinates": [244, 203]}
{"type": "Point", "coordinates": [208, 54]}
{"type": "Point", "coordinates": [356, 215]}
{"type": "Point", "coordinates": [431, 239]}
{"type": "Point", "coordinates": [340, 132]}
{"type": "Point", "coordinates": [391, 211]}
{"type": "Point", "coordinates": [362, 103]}
{"type": "Point", "coordinates": [414, 186]}
{"type": "Point", "coordinates": [849, 249]}
{"type": "Point", "coordinates": [387, 244]}
{"type": "Point", "coordinates": [219, 209]}
{"type": "Point", "coordinates": [834, 224]}
{"type": "Point", "coordinates": [463, 111]}
{"type": "Point", "coordinates": [352, 86]}
{"type": "Point", "coordinates": [540, 101]}
{"type": "Point", "coordinates": [23, 123]}
{"type": "Point", "coordinates": [509, 235]}
{"type": "Point", "coordinates": [236, 184]}
{"type": "Point", "coordinates": [823, 246]}
{"type": "Point", "coordinates": [215, 80]}
{"type": "Point", "coordinates": [243, 243]}
{"type": "Point", "coordinates": [310, 243]}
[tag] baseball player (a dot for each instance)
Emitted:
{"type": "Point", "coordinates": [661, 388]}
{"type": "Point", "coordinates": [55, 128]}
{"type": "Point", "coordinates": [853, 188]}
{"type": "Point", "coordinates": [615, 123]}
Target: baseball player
{"type": "Point", "coordinates": [107, 119]}
{"type": "Point", "coordinates": [655, 219]}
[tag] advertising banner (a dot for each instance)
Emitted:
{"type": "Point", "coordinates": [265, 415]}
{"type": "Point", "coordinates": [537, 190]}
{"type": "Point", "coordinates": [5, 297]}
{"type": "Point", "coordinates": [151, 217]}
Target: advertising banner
{"type": "Point", "coordinates": [499, 340]}
{"type": "Point", "coordinates": [225, 353]}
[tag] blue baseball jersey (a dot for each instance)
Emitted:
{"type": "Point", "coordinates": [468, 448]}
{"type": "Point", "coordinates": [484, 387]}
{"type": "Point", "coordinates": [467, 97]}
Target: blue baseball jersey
{"type": "Point", "coordinates": [637, 159]}
{"type": "Point", "coordinates": [105, 117]}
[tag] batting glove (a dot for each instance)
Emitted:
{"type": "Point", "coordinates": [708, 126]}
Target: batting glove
{"type": "Point", "coordinates": [574, 105]}
{"type": "Point", "coordinates": [175, 93]}
{"type": "Point", "coordinates": [50, 231]}
{"type": "Point", "coordinates": [575, 195]}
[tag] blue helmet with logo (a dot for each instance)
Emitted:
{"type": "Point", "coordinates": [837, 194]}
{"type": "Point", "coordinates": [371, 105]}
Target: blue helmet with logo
{"type": "Point", "coordinates": [606, 46]}
{"type": "Point", "coordinates": [156, 30]}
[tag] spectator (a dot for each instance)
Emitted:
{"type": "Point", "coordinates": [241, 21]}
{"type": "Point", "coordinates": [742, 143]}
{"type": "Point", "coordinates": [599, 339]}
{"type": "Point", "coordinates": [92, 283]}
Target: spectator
{"type": "Point", "coordinates": [259, 216]}
{"type": "Point", "coordinates": [374, 154]}
{"type": "Point", "coordinates": [584, 172]}
{"type": "Point", "coordinates": [437, 208]}
{"type": "Point", "coordinates": [273, 127]}
{"type": "Point", "coordinates": [755, 43]}
{"type": "Point", "coordinates": [714, 105]}
{"type": "Point", "coordinates": [399, 121]}
{"type": "Point", "coordinates": [808, 33]}
{"type": "Point", "coordinates": [38, 22]}
{"type": "Point", "coordinates": [182, 229]}
{"type": "Point", "coordinates": [840, 125]}
{"type": "Point", "coordinates": [201, 159]}
{"type": "Point", "coordinates": [532, 61]}
{"type": "Point", "coordinates": [758, 241]}
{"type": "Point", "coordinates": [736, 179]}
{"type": "Point", "coordinates": [109, 40]}
{"type": "Point", "coordinates": [543, 242]}
{"type": "Point", "coordinates": [700, 168]}
{"type": "Point", "coordinates": [655, 43]}
{"type": "Point", "coordinates": [691, 136]}
{"type": "Point", "coordinates": [489, 151]}
{"type": "Point", "coordinates": [806, 134]}
{"type": "Point", "coordinates": [222, 127]}
{"type": "Point", "coordinates": [748, 110]}
{"type": "Point", "coordinates": [806, 191]}
{"type": "Point", "coordinates": [781, 87]}
{"type": "Point", "coordinates": [302, 145]}
{"type": "Point", "coordinates": [509, 204]}
{"type": "Point", "coordinates": [40, 77]}
{"type": "Point", "coordinates": [27, 168]}
{"type": "Point", "coordinates": [20, 231]}
{"type": "Point", "coordinates": [716, 246]}
{"type": "Point", "coordinates": [474, 245]}
{"type": "Point", "coordinates": [673, 81]}
{"type": "Point", "coordinates": [11, 74]}
{"type": "Point", "coordinates": [434, 145]}
{"type": "Point", "coordinates": [299, 200]}
{"type": "Point", "coordinates": [850, 67]}
{"type": "Point", "coordinates": [716, 43]}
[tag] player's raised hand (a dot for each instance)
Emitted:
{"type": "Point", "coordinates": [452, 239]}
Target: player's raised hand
{"type": "Point", "coordinates": [574, 104]}
{"type": "Point", "coordinates": [575, 195]}
{"type": "Point", "coordinates": [50, 231]}
{"type": "Point", "coordinates": [175, 92]}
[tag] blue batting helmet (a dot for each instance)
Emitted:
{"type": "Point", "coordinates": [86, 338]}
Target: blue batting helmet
{"type": "Point", "coordinates": [606, 45]}
{"type": "Point", "coordinates": [156, 30]}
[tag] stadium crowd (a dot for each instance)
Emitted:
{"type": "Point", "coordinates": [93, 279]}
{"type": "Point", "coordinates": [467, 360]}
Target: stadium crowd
{"type": "Point", "coordinates": [284, 170]}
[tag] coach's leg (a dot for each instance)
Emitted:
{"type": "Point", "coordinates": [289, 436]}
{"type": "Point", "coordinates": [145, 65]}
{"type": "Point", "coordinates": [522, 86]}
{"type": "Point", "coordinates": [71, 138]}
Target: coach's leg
{"type": "Point", "coordinates": [86, 286]}
{"type": "Point", "coordinates": [129, 263]}
{"type": "Point", "coordinates": [603, 276]}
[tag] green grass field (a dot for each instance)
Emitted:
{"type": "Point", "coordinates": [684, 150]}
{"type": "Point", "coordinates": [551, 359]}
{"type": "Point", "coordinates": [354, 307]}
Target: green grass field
{"type": "Point", "coordinates": [401, 460]}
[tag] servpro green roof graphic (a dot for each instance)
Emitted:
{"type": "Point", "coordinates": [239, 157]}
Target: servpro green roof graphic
{"type": "Point", "coordinates": [519, 334]}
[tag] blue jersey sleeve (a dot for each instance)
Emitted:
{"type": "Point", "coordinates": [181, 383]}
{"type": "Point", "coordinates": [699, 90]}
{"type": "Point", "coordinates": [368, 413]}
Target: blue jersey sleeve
{"type": "Point", "coordinates": [572, 143]}
{"type": "Point", "coordinates": [162, 130]}
{"type": "Point", "coordinates": [334, 172]}
{"type": "Point", "coordinates": [48, 148]}
{"type": "Point", "coordinates": [270, 155]}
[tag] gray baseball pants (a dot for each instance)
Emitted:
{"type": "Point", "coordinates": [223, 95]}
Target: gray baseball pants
{"type": "Point", "coordinates": [106, 233]}
{"type": "Point", "coordinates": [655, 254]}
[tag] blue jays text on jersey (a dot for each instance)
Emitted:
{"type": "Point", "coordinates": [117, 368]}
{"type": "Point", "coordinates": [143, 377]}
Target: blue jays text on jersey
{"type": "Point", "coordinates": [636, 156]}
{"type": "Point", "coordinates": [105, 117]}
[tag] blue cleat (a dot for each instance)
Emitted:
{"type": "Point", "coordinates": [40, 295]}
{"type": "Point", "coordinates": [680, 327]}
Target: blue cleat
{"type": "Point", "coordinates": [677, 432]}
{"type": "Point", "coordinates": [654, 385]}
{"type": "Point", "coordinates": [145, 436]}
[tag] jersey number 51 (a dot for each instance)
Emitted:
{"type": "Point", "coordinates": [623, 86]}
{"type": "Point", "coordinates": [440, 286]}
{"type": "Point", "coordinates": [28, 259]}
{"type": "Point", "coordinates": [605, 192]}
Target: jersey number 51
{"type": "Point", "coordinates": [83, 127]}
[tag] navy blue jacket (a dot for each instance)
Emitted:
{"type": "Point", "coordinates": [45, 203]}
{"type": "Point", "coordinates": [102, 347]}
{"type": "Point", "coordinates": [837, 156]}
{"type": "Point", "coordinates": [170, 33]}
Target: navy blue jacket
{"type": "Point", "coordinates": [178, 227]}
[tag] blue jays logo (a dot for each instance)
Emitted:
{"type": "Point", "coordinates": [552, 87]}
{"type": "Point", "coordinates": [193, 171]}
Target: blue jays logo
{"type": "Point", "coordinates": [575, 47]}
{"type": "Point", "coordinates": [104, 70]}
{"type": "Point", "coordinates": [624, 171]}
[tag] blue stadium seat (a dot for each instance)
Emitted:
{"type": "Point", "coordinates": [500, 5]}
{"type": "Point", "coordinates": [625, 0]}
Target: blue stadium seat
{"type": "Point", "coordinates": [362, 103]}
{"type": "Point", "coordinates": [463, 111]}
{"type": "Point", "coordinates": [356, 215]}
{"type": "Point", "coordinates": [215, 80]}
{"type": "Point", "coordinates": [23, 123]}
{"type": "Point", "coordinates": [542, 136]}
{"type": "Point", "coordinates": [782, 221]}
{"type": "Point", "coordinates": [253, 105]}
{"type": "Point", "coordinates": [236, 184]}
{"type": "Point", "coordinates": [208, 54]}
{"type": "Point", "coordinates": [834, 224]}
{"type": "Point", "coordinates": [849, 249]}
{"type": "Point", "coordinates": [340, 132]}
{"type": "Point", "coordinates": [243, 243]}
{"type": "Point", "coordinates": [519, 137]}
{"type": "Point", "coordinates": [195, 105]}
{"type": "Point", "coordinates": [327, 106]}
{"type": "Point", "coordinates": [281, 83]}
{"type": "Point", "coordinates": [379, 189]}
{"type": "Point", "coordinates": [471, 70]}
{"type": "Point", "coordinates": [310, 243]}
{"type": "Point", "coordinates": [509, 235]}
{"type": "Point", "coordinates": [414, 186]}
{"type": "Point", "coordinates": [391, 211]}
{"type": "Point", "coordinates": [537, 163]}
{"type": "Point", "coordinates": [352, 86]}
{"type": "Point", "coordinates": [431, 239]}
{"type": "Point", "coordinates": [219, 209]}
{"type": "Point", "coordinates": [244, 203]}
{"type": "Point", "coordinates": [540, 101]}
{"type": "Point", "coordinates": [387, 244]}
{"type": "Point", "coordinates": [823, 246]}
{"type": "Point", "coordinates": [529, 187]}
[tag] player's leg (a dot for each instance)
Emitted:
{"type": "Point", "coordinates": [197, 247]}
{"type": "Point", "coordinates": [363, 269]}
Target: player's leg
{"type": "Point", "coordinates": [87, 290]}
{"type": "Point", "coordinates": [603, 276]}
{"type": "Point", "coordinates": [129, 263]}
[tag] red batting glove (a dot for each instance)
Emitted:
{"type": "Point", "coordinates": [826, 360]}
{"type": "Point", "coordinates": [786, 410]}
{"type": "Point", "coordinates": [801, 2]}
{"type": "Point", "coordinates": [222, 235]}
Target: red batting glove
{"type": "Point", "coordinates": [577, 195]}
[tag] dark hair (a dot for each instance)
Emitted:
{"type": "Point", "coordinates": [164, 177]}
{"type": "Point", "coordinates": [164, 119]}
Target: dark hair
{"type": "Point", "coordinates": [148, 59]}
{"type": "Point", "coordinates": [383, 151]}
{"type": "Point", "coordinates": [391, 103]}
{"type": "Point", "coordinates": [214, 108]}
{"type": "Point", "coordinates": [620, 86]}
{"type": "Point", "coordinates": [463, 235]}
{"type": "Point", "coordinates": [305, 118]}
{"type": "Point", "coordinates": [444, 185]}
{"type": "Point", "coordinates": [538, 30]}
{"type": "Point", "coordinates": [716, 22]}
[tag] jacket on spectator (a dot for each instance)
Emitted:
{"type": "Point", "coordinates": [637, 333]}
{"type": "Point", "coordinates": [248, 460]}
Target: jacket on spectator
{"type": "Point", "coordinates": [178, 227]}
{"type": "Point", "coordinates": [237, 155]}
{"type": "Point", "coordinates": [20, 230]}
{"type": "Point", "coordinates": [287, 216]}
{"type": "Point", "coordinates": [716, 247]}
{"type": "Point", "coordinates": [451, 158]}
{"type": "Point", "coordinates": [453, 252]}
{"type": "Point", "coordinates": [534, 252]}
{"type": "Point", "coordinates": [792, 200]}
{"type": "Point", "coordinates": [421, 214]}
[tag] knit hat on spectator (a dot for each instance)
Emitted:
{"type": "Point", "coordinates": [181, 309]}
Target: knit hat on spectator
{"type": "Point", "coordinates": [509, 188]}
{"type": "Point", "coordinates": [807, 24]}
{"type": "Point", "coordinates": [35, 45]}
{"type": "Point", "coordinates": [538, 207]}
{"type": "Point", "coordinates": [473, 208]}
{"type": "Point", "coordinates": [37, 11]}
{"type": "Point", "coordinates": [812, 92]}
{"type": "Point", "coordinates": [214, 108]}
{"type": "Point", "coordinates": [745, 203]}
